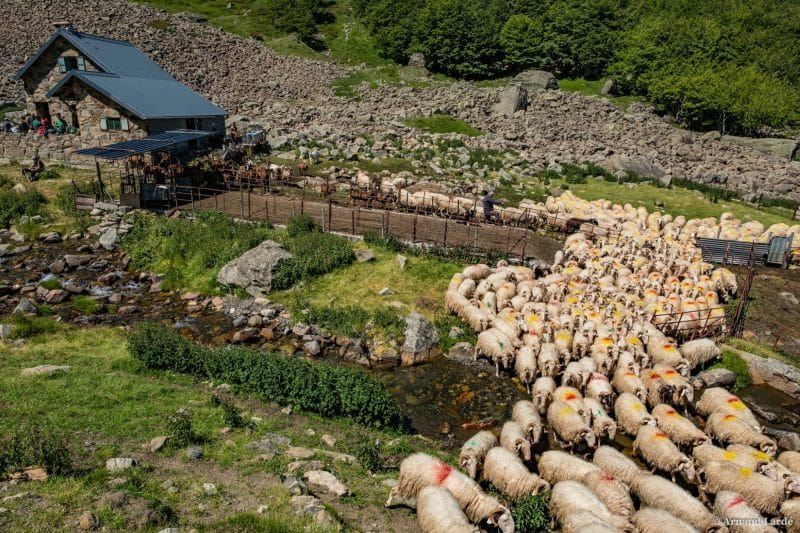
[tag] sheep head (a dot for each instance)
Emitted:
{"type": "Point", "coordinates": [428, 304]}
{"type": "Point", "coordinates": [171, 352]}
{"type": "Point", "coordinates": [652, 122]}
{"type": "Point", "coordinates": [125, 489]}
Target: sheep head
{"type": "Point", "coordinates": [501, 518]}
{"type": "Point", "coordinates": [589, 437]}
{"type": "Point", "coordinates": [470, 464]}
{"type": "Point", "coordinates": [524, 448]}
{"type": "Point", "coordinates": [686, 467]}
{"type": "Point", "coordinates": [767, 445]}
{"type": "Point", "coordinates": [648, 420]}
{"type": "Point", "coordinates": [791, 484]}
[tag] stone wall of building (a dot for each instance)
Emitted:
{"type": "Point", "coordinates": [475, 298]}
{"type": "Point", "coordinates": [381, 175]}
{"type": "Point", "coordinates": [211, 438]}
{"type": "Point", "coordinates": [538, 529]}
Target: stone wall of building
{"type": "Point", "coordinates": [22, 147]}
{"type": "Point", "coordinates": [91, 107]}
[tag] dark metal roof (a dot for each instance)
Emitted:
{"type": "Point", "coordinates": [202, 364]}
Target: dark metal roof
{"type": "Point", "coordinates": [146, 98]}
{"type": "Point", "coordinates": [160, 141]}
{"type": "Point", "coordinates": [110, 55]}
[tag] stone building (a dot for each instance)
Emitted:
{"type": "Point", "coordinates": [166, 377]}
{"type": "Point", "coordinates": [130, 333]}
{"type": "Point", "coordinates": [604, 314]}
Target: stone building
{"type": "Point", "coordinates": [109, 91]}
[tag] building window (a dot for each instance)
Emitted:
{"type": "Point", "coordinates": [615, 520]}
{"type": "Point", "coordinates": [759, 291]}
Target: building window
{"type": "Point", "coordinates": [114, 123]}
{"type": "Point", "coordinates": [65, 64]}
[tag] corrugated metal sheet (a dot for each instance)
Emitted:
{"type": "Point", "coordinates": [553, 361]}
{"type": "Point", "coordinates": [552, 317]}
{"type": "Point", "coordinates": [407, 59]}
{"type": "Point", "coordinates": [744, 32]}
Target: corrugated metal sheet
{"type": "Point", "coordinates": [732, 252]}
{"type": "Point", "coordinates": [160, 141]}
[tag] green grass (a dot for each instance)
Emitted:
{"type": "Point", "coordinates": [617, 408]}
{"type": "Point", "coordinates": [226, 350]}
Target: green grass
{"type": "Point", "coordinates": [762, 350]}
{"type": "Point", "coordinates": [50, 284]}
{"type": "Point", "coordinates": [290, 45]}
{"type": "Point", "coordinates": [444, 124]}
{"type": "Point", "coordinates": [87, 305]}
{"type": "Point", "coordinates": [732, 361]}
{"type": "Point", "coordinates": [593, 87]}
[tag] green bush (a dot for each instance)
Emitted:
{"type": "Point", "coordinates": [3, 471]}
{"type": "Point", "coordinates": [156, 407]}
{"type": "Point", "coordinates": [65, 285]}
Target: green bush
{"type": "Point", "coordinates": [35, 444]}
{"type": "Point", "coordinates": [50, 173]}
{"type": "Point", "coordinates": [87, 305]}
{"type": "Point", "coordinates": [316, 387]}
{"type": "Point", "coordinates": [734, 362]}
{"type": "Point", "coordinates": [368, 454]}
{"type": "Point", "coordinates": [445, 323]}
{"type": "Point", "coordinates": [531, 514]}
{"type": "Point", "coordinates": [315, 254]}
{"type": "Point", "coordinates": [14, 205]}
{"type": "Point", "coordinates": [390, 242]}
{"type": "Point", "coordinates": [231, 415]}
{"type": "Point", "coordinates": [179, 425]}
{"type": "Point", "coordinates": [301, 224]}
{"type": "Point", "coordinates": [24, 327]}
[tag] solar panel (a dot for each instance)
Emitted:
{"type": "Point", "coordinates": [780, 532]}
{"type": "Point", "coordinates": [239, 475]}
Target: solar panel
{"type": "Point", "coordinates": [152, 143]}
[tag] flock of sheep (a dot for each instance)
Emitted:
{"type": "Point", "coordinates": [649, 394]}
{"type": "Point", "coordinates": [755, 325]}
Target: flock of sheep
{"type": "Point", "coordinates": [555, 212]}
{"type": "Point", "coordinates": [590, 341]}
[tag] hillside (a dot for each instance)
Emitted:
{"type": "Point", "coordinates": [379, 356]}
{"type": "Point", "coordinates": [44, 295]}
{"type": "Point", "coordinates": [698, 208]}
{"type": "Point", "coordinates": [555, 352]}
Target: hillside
{"type": "Point", "coordinates": [294, 98]}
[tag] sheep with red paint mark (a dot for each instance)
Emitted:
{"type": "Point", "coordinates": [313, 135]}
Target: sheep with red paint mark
{"type": "Point", "coordinates": [739, 515]}
{"type": "Point", "coordinates": [730, 429]}
{"type": "Point", "coordinates": [510, 476]}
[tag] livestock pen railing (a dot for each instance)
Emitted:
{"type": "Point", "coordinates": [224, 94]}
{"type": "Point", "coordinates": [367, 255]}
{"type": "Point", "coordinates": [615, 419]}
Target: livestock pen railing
{"type": "Point", "coordinates": [465, 239]}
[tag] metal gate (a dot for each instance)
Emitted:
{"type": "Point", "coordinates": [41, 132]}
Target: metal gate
{"type": "Point", "coordinates": [779, 250]}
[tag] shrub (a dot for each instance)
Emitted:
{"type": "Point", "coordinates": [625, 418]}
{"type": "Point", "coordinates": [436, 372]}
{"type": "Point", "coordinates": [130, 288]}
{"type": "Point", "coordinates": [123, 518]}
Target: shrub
{"type": "Point", "coordinates": [390, 242]}
{"type": "Point", "coordinates": [346, 321]}
{"type": "Point", "coordinates": [231, 415]}
{"type": "Point", "coordinates": [368, 454]}
{"type": "Point", "coordinates": [51, 173]}
{"type": "Point", "coordinates": [179, 425]}
{"type": "Point", "coordinates": [162, 348]}
{"type": "Point", "coordinates": [389, 323]}
{"type": "Point", "coordinates": [35, 444]}
{"type": "Point", "coordinates": [14, 205]}
{"type": "Point", "coordinates": [445, 323]}
{"type": "Point", "coordinates": [531, 514]}
{"type": "Point", "coordinates": [315, 254]}
{"type": "Point", "coordinates": [86, 305]}
{"type": "Point", "coordinates": [301, 224]}
{"type": "Point", "coordinates": [316, 387]}
{"type": "Point", "coordinates": [24, 327]}
{"type": "Point", "coordinates": [734, 362]}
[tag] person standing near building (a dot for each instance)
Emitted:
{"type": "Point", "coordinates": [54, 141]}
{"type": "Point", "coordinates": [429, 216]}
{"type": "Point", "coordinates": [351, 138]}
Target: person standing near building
{"type": "Point", "coordinates": [490, 214]}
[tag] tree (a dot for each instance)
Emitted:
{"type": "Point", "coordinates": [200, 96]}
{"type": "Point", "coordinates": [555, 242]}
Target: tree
{"type": "Point", "coordinates": [522, 40]}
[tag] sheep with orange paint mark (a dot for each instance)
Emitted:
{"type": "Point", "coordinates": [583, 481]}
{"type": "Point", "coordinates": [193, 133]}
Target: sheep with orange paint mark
{"type": "Point", "coordinates": [631, 413]}
{"type": "Point", "coordinates": [730, 429]}
{"type": "Point", "coordinates": [762, 493]}
{"type": "Point", "coordinates": [680, 429]}
{"type": "Point", "coordinates": [656, 448]}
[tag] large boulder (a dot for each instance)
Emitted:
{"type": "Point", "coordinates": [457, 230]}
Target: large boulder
{"type": "Point", "coordinates": [421, 338]}
{"type": "Point", "coordinates": [634, 164]}
{"type": "Point", "coordinates": [536, 80]}
{"type": "Point", "coordinates": [253, 270]}
{"type": "Point", "coordinates": [780, 148]}
{"type": "Point", "coordinates": [512, 99]}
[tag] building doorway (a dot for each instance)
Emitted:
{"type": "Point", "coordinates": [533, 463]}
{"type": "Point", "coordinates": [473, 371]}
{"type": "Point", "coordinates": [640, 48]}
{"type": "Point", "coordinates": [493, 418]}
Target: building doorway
{"type": "Point", "coordinates": [43, 110]}
{"type": "Point", "coordinates": [73, 112]}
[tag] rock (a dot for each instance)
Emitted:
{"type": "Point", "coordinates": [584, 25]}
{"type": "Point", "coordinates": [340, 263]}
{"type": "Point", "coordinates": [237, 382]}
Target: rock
{"type": "Point", "coordinates": [608, 87]}
{"type": "Point", "coordinates": [328, 440]}
{"type": "Point", "coordinates": [5, 331]}
{"type": "Point", "coordinates": [463, 352]}
{"type": "Point", "coordinates": [363, 256]}
{"type": "Point", "coordinates": [308, 505]}
{"type": "Point", "coordinates": [300, 329]}
{"type": "Point", "coordinates": [304, 466]}
{"type": "Point", "coordinates": [536, 80]}
{"type": "Point", "coordinates": [352, 351]}
{"type": "Point", "coordinates": [26, 306]}
{"type": "Point", "coordinates": [386, 291]}
{"type": "Point", "coordinates": [110, 239]}
{"type": "Point", "coordinates": [512, 100]}
{"type": "Point", "coordinates": [44, 370]}
{"type": "Point", "coordinates": [401, 260]}
{"type": "Point", "coordinates": [421, 337]}
{"type": "Point", "coordinates": [156, 443]}
{"type": "Point", "coordinates": [311, 348]}
{"type": "Point", "coordinates": [57, 267]}
{"type": "Point", "coordinates": [270, 443]}
{"type": "Point", "coordinates": [778, 374]}
{"type": "Point", "coordinates": [88, 521]}
{"type": "Point", "coordinates": [50, 238]}
{"type": "Point", "coordinates": [790, 441]}
{"type": "Point", "coordinates": [781, 148]}
{"type": "Point", "coordinates": [417, 59]}
{"type": "Point", "coordinates": [287, 410]}
{"type": "Point", "coordinates": [296, 452]}
{"type": "Point", "coordinates": [75, 261]}
{"type": "Point", "coordinates": [323, 482]}
{"type": "Point", "coordinates": [294, 485]}
{"type": "Point", "coordinates": [455, 332]}
{"type": "Point", "coordinates": [194, 452]}
{"type": "Point", "coordinates": [126, 310]}
{"type": "Point", "coordinates": [253, 270]}
{"type": "Point", "coordinates": [118, 464]}
{"type": "Point", "coordinates": [324, 519]}
{"type": "Point", "coordinates": [640, 165]}
{"type": "Point", "coordinates": [717, 377]}
{"type": "Point", "coordinates": [243, 335]}
{"type": "Point", "coordinates": [56, 296]}
{"type": "Point", "coordinates": [262, 509]}
{"type": "Point", "coordinates": [789, 297]}
{"type": "Point", "coordinates": [209, 489]}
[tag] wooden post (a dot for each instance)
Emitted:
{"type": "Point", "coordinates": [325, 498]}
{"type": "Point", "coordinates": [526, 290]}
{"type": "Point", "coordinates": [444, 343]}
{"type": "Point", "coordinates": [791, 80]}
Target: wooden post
{"type": "Point", "coordinates": [330, 212]}
{"type": "Point", "coordinates": [383, 224]}
{"type": "Point", "coordinates": [322, 219]}
{"type": "Point", "coordinates": [303, 202]}
{"type": "Point", "coordinates": [266, 209]}
{"type": "Point", "coordinates": [352, 221]}
{"type": "Point", "coordinates": [445, 232]}
{"type": "Point", "coordinates": [508, 241]}
{"type": "Point", "coordinates": [414, 234]}
{"type": "Point", "coordinates": [241, 202]}
{"type": "Point", "coordinates": [476, 236]}
{"type": "Point", "coordinates": [249, 213]}
{"type": "Point", "coordinates": [388, 214]}
{"type": "Point", "coordinates": [524, 243]}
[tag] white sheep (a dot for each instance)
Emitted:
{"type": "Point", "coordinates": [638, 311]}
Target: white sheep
{"type": "Point", "coordinates": [512, 478]}
{"type": "Point", "coordinates": [600, 389]}
{"type": "Point", "coordinates": [739, 515]}
{"type": "Point", "coordinates": [439, 512]}
{"type": "Point", "coordinates": [543, 390]}
{"type": "Point", "coordinates": [790, 460]}
{"type": "Point", "coordinates": [761, 492]}
{"type": "Point", "coordinates": [656, 448]}
{"type": "Point", "coordinates": [526, 366]}
{"type": "Point", "coordinates": [679, 429]}
{"type": "Point", "coordinates": [658, 390]}
{"type": "Point", "coordinates": [569, 426]}
{"type": "Point", "coordinates": [495, 344]}
{"type": "Point", "coordinates": [719, 400]}
{"type": "Point", "coordinates": [790, 509]}
{"type": "Point", "coordinates": [548, 361]}
{"type": "Point", "coordinates": [652, 520]}
{"type": "Point", "coordinates": [526, 415]}
{"type": "Point", "coordinates": [514, 440]}
{"type": "Point", "coordinates": [611, 491]}
{"type": "Point", "coordinates": [666, 353]}
{"type": "Point", "coordinates": [574, 375]}
{"type": "Point", "coordinates": [615, 463]}
{"type": "Point", "coordinates": [631, 413]}
{"type": "Point", "coordinates": [420, 470]}
{"type": "Point", "coordinates": [474, 451]}
{"type": "Point", "coordinates": [700, 351]}
{"type": "Point", "coordinates": [629, 381]}
{"type": "Point", "coordinates": [585, 522]}
{"type": "Point", "coordinates": [730, 429]}
{"type": "Point", "coordinates": [571, 497]}
{"type": "Point", "coordinates": [661, 493]}
{"type": "Point", "coordinates": [555, 466]}
{"type": "Point", "coordinates": [602, 424]}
